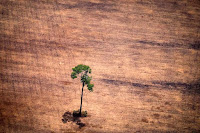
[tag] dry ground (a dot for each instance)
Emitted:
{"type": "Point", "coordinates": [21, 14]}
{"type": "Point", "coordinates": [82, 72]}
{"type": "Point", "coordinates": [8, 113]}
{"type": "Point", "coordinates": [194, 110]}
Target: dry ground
{"type": "Point", "coordinates": [144, 55]}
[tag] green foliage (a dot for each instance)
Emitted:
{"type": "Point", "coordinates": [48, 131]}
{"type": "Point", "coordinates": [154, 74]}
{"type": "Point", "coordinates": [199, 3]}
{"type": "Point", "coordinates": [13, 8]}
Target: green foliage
{"type": "Point", "coordinates": [84, 113]}
{"type": "Point", "coordinates": [84, 70]}
{"type": "Point", "coordinates": [80, 68]}
{"type": "Point", "coordinates": [90, 87]}
{"type": "Point", "coordinates": [73, 75]}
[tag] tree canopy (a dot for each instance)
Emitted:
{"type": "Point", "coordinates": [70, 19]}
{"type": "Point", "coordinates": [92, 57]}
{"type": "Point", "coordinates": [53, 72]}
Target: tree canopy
{"type": "Point", "coordinates": [84, 70]}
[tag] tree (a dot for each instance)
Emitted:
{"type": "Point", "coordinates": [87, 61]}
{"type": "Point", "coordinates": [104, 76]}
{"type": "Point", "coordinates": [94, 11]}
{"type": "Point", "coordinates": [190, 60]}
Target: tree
{"type": "Point", "coordinates": [85, 79]}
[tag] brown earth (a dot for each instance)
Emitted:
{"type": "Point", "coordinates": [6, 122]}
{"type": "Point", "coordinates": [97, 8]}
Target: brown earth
{"type": "Point", "coordinates": [144, 55]}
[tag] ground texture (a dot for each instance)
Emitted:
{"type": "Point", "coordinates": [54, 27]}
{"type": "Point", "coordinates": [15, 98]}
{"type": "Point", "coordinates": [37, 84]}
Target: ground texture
{"type": "Point", "coordinates": [144, 56]}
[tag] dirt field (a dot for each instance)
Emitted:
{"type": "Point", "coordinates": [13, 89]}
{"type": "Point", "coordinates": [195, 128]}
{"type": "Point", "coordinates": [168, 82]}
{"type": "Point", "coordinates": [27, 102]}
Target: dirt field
{"type": "Point", "coordinates": [144, 56]}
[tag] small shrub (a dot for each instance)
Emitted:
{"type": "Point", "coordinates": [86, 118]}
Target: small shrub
{"type": "Point", "coordinates": [84, 113]}
{"type": "Point", "coordinates": [76, 113]}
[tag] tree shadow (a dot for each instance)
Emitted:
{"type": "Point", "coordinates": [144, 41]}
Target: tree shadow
{"type": "Point", "coordinates": [68, 117]}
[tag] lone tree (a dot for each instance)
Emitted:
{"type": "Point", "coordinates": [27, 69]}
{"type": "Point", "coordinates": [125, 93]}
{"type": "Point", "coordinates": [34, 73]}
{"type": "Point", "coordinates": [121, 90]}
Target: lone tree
{"type": "Point", "coordinates": [85, 79]}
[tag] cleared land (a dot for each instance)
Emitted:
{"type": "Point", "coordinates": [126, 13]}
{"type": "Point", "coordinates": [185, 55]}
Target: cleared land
{"type": "Point", "coordinates": [145, 59]}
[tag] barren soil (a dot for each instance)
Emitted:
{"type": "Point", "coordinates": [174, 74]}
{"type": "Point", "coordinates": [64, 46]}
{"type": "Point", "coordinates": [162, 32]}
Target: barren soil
{"type": "Point", "coordinates": [144, 56]}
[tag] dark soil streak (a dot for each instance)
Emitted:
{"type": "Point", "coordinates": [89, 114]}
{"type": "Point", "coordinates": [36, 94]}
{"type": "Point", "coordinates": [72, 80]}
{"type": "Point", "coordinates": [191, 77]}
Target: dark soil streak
{"type": "Point", "coordinates": [119, 82]}
{"type": "Point", "coordinates": [195, 45]}
{"type": "Point", "coordinates": [189, 87]}
{"type": "Point", "coordinates": [168, 45]}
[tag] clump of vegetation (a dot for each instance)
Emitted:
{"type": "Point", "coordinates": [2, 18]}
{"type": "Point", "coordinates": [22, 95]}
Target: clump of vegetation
{"type": "Point", "coordinates": [76, 113]}
{"type": "Point", "coordinates": [85, 79]}
{"type": "Point", "coordinates": [68, 117]}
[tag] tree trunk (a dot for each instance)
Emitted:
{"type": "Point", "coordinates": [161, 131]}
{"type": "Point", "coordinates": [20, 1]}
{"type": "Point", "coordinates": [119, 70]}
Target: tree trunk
{"type": "Point", "coordinates": [81, 98]}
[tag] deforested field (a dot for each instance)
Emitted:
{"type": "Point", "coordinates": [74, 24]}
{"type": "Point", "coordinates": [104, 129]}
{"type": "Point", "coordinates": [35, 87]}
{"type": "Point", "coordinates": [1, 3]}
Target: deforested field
{"type": "Point", "coordinates": [144, 56]}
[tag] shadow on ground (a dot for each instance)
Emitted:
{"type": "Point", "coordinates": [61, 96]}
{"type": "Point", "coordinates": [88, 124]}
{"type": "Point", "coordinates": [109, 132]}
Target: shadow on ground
{"type": "Point", "coordinates": [68, 117]}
